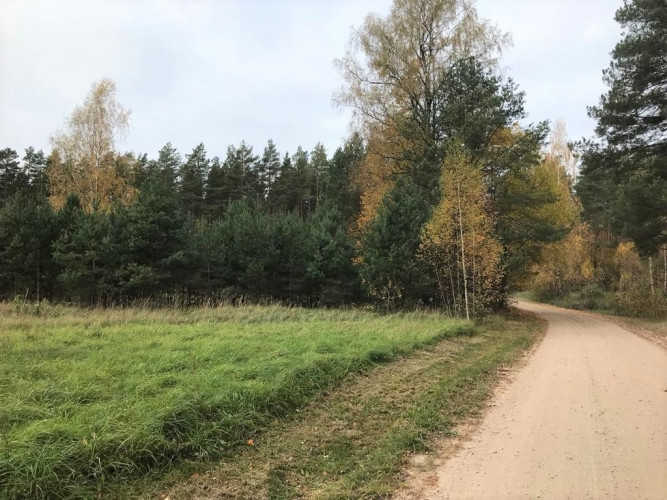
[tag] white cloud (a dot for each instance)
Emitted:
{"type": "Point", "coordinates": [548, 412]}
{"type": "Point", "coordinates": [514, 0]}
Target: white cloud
{"type": "Point", "coordinates": [223, 71]}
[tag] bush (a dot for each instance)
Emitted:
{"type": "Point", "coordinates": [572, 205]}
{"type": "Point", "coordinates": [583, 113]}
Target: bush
{"type": "Point", "coordinates": [640, 303]}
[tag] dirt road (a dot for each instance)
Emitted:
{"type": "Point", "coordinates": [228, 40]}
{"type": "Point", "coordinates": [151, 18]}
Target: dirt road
{"type": "Point", "coordinates": [585, 418]}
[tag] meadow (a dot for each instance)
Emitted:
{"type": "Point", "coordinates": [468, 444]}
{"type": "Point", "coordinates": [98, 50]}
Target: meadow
{"type": "Point", "coordinates": [92, 397]}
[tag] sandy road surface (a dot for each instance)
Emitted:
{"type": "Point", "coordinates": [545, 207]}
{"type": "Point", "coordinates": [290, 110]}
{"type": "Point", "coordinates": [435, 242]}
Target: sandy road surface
{"type": "Point", "coordinates": [585, 418]}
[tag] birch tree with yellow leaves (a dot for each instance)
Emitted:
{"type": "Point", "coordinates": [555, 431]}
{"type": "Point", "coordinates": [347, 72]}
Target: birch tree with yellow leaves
{"type": "Point", "coordinates": [84, 161]}
{"type": "Point", "coordinates": [393, 72]}
{"type": "Point", "coordinates": [458, 241]}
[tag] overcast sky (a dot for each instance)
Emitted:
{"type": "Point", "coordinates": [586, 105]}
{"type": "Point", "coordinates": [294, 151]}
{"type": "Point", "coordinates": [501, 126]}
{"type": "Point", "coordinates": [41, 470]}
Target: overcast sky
{"type": "Point", "coordinates": [221, 71]}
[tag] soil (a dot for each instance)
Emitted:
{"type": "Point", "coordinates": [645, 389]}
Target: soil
{"type": "Point", "coordinates": [586, 417]}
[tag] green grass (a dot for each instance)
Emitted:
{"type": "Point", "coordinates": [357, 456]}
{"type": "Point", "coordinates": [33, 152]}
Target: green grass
{"type": "Point", "coordinates": [353, 442]}
{"type": "Point", "coordinates": [92, 397]}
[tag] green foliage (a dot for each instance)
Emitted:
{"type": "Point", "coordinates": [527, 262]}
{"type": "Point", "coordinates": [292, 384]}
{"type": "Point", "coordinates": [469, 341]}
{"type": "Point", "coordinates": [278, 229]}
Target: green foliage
{"type": "Point", "coordinates": [27, 231]}
{"type": "Point", "coordinates": [331, 268]}
{"type": "Point", "coordinates": [624, 176]}
{"type": "Point", "coordinates": [192, 181]}
{"type": "Point", "coordinates": [160, 174]}
{"type": "Point", "coordinates": [12, 176]}
{"type": "Point", "coordinates": [93, 397]}
{"type": "Point", "coordinates": [475, 104]}
{"type": "Point", "coordinates": [631, 114]}
{"type": "Point", "coordinates": [390, 270]}
{"type": "Point", "coordinates": [340, 188]}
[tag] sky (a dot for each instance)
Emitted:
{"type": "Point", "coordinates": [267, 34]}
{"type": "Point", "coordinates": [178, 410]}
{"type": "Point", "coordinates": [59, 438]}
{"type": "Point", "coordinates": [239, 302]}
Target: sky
{"type": "Point", "coordinates": [223, 71]}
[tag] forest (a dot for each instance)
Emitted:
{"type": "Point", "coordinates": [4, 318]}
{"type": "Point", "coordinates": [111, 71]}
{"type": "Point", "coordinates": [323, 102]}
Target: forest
{"type": "Point", "coordinates": [442, 197]}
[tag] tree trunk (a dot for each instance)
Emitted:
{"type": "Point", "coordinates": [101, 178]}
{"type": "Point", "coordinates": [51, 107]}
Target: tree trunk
{"type": "Point", "coordinates": [463, 253]}
{"type": "Point", "coordinates": [650, 274]}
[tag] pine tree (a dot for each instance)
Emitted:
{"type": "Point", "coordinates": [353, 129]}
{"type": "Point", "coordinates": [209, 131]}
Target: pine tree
{"type": "Point", "coordinates": [27, 231]}
{"type": "Point", "coordinates": [216, 197]}
{"type": "Point", "coordinates": [192, 178]}
{"type": "Point", "coordinates": [167, 167]}
{"type": "Point", "coordinates": [147, 240]}
{"type": "Point", "coordinates": [331, 265]}
{"type": "Point", "coordinates": [270, 169]}
{"type": "Point", "coordinates": [34, 164]}
{"type": "Point", "coordinates": [630, 158]}
{"type": "Point", "coordinates": [12, 176]}
{"type": "Point", "coordinates": [318, 166]}
{"type": "Point", "coordinates": [389, 268]}
{"type": "Point", "coordinates": [81, 253]}
{"type": "Point", "coordinates": [340, 186]}
{"type": "Point", "coordinates": [283, 194]}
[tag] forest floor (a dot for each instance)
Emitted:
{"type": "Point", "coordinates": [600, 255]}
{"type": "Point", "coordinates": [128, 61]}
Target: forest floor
{"type": "Point", "coordinates": [585, 418]}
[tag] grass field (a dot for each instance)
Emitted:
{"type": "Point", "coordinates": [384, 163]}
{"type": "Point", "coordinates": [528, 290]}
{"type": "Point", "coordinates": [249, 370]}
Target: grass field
{"type": "Point", "coordinates": [354, 442]}
{"type": "Point", "coordinates": [92, 397]}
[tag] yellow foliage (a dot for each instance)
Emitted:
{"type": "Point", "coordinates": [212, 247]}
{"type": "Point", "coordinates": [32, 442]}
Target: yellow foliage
{"type": "Point", "coordinates": [567, 265]}
{"type": "Point", "coordinates": [98, 187]}
{"type": "Point", "coordinates": [629, 266]}
{"type": "Point", "coordinates": [375, 177]}
{"type": "Point", "coordinates": [84, 162]}
{"type": "Point", "coordinates": [458, 241]}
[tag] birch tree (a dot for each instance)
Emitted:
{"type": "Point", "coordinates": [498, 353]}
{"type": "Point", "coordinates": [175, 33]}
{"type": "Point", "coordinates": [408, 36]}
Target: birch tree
{"type": "Point", "coordinates": [458, 241]}
{"type": "Point", "coordinates": [393, 70]}
{"type": "Point", "coordinates": [87, 164]}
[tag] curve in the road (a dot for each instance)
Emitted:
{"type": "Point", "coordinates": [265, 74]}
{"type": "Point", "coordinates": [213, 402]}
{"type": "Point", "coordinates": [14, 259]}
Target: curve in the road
{"type": "Point", "coordinates": [585, 418]}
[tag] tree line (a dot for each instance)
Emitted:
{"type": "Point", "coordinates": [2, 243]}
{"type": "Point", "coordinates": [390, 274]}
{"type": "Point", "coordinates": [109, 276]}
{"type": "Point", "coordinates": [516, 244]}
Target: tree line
{"type": "Point", "coordinates": [248, 226]}
{"type": "Point", "coordinates": [440, 198]}
{"type": "Point", "coordinates": [616, 256]}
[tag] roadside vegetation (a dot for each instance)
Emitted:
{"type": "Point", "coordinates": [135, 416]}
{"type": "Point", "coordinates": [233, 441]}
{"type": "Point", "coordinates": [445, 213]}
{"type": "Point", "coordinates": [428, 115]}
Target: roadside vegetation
{"type": "Point", "coordinates": [354, 441]}
{"type": "Point", "coordinates": [95, 396]}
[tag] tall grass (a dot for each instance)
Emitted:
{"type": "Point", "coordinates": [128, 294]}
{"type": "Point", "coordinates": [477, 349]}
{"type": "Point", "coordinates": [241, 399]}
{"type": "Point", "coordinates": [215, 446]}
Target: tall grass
{"type": "Point", "coordinates": [92, 396]}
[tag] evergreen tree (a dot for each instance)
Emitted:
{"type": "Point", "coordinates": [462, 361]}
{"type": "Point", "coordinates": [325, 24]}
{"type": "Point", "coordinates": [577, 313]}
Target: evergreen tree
{"type": "Point", "coordinates": [340, 187]}
{"type": "Point", "coordinates": [27, 231]}
{"type": "Point", "coordinates": [147, 243]}
{"type": "Point", "coordinates": [389, 269]}
{"type": "Point", "coordinates": [34, 164]}
{"type": "Point", "coordinates": [211, 241]}
{"type": "Point", "coordinates": [270, 169]}
{"type": "Point", "coordinates": [144, 171]}
{"type": "Point", "coordinates": [192, 178]}
{"type": "Point", "coordinates": [294, 250]}
{"type": "Point", "coordinates": [251, 250]}
{"type": "Point", "coordinates": [251, 189]}
{"type": "Point", "coordinates": [241, 175]}
{"type": "Point", "coordinates": [331, 265]}
{"type": "Point", "coordinates": [12, 176]}
{"type": "Point", "coordinates": [81, 253]}
{"type": "Point", "coordinates": [301, 182]}
{"type": "Point", "coordinates": [318, 167]}
{"type": "Point", "coordinates": [632, 129]}
{"type": "Point", "coordinates": [167, 167]}
{"type": "Point", "coordinates": [216, 183]}
{"type": "Point", "coordinates": [285, 199]}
